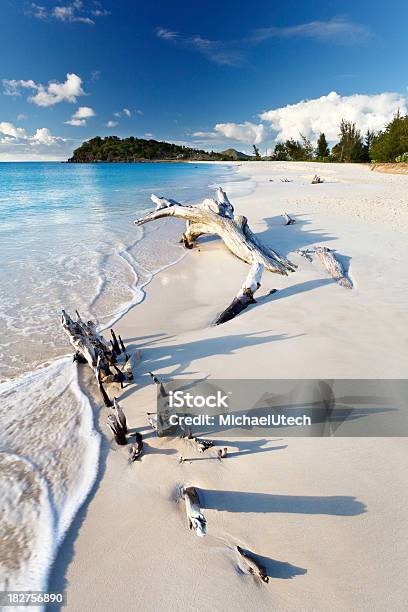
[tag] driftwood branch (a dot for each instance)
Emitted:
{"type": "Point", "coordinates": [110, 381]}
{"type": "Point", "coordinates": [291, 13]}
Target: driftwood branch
{"type": "Point", "coordinates": [333, 266]}
{"type": "Point", "coordinates": [196, 519]}
{"type": "Point", "coordinates": [135, 451]}
{"type": "Point", "coordinates": [120, 415]}
{"type": "Point", "coordinates": [316, 180]}
{"type": "Point", "coordinates": [216, 216]}
{"type": "Point", "coordinates": [118, 432]}
{"type": "Point", "coordinates": [92, 348]}
{"type": "Point", "coordinates": [252, 565]}
{"type": "Point", "coordinates": [200, 444]}
{"type": "Point", "coordinates": [245, 295]}
{"type": "Point", "coordinates": [288, 219]}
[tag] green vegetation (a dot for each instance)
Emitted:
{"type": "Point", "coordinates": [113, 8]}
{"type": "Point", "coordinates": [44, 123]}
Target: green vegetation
{"type": "Point", "coordinates": [389, 145]}
{"type": "Point", "coordinates": [294, 150]}
{"type": "Point", "coordinates": [256, 153]}
{"type": "Point", "coordinates": [402, 158]}
{"type": "Point", "coordinates": [392, 142]}
{"type": "Point", "coordinates": [351, 147]}
{"type": "Point", "coordinates": [322, 149]}
{"type": "Point", "coordinates": [114, 149]}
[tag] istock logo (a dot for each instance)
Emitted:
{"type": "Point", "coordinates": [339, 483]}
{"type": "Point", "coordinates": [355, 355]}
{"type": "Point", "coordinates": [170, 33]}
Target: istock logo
{"type": "Point", "coordinates": [179, 399]}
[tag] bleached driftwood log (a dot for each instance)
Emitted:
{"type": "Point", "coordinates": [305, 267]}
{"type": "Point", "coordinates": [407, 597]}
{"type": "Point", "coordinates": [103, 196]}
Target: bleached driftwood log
{"type": "Point", "coordinates": [245, 295]}
{"type": "Point", "coordinates": [196, 519]}
{"type": "Point", "coordinates": [216, 216]}
{"type": "Point", "coordinates": [92, 348]}
{"type": "Point", "coordinates": [252, 565]}
{"type": "Point", "coordinates": [288, 220]}
{"type": "Point", "coordinates": [333, 266]}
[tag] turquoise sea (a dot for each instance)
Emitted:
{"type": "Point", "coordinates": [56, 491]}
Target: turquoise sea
{"type": "Point", "coordinates": [67, 240]}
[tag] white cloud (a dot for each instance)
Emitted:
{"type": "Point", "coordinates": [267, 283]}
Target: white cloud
{"type": "Point", "coordinates": [337, 30]}
{"type": "Point", "coordinates": [225, 53]}
{"type": "Point", "coordinates": [148, 135]}
{"type": "Point", "coordinates": [16, 144]}
{"type": "Point", "coordinates": [22, 117]}
{"type": "Point", "coordinates": [310, 117]}
{"type": "Point", "coordinates": [84, 112]}
{"type": "Point", "coordinates": [125, 111]}
{"type": "Point", "coordinates": [37, 11]}
{"type": "Point", "coordinates": [43, 136]}
{"type": "Point", "coordinates": [8, 129]}
{"type": "Point", "coordinates": [76, 11]}
{"type": "Point", "coordinates": [139, 112]}
{"type": "Point", "coordinates": [249, 133]}
{"type": "Point", "coordinates": [81, 115]}
{"type": "Point", "coordinates": [47, 95]}
{"type": "Point", "coordinates": [111, 124]}
{"type": "Point", "coordinates": [10, 133]}
{"type": "Point", "coordinates": [12, 86]}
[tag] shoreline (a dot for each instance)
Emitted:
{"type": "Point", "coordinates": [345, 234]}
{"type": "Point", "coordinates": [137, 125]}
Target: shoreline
{"type": "Point", "coordinates": [71, 474]}
{"type": "Point", "coordinates": [280, 336]}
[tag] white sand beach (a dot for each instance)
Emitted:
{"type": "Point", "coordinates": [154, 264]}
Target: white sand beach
{"type": "Point", "coordinates": [327, 515]}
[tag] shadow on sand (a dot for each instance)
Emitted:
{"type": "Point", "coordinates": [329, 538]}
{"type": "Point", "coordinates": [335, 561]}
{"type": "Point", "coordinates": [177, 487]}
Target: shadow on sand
{"type": "Point", "coordinates": [278, 569]}
{"type": "Point", "coordinates": [238, 501]}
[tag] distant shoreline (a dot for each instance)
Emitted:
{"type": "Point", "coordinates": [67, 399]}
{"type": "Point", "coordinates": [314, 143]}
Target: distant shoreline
{"type": "Point", "coordinates": [139, 161]}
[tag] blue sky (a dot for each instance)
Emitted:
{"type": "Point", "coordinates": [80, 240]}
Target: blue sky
{"type": "Point", "coordinates": [205, 73]}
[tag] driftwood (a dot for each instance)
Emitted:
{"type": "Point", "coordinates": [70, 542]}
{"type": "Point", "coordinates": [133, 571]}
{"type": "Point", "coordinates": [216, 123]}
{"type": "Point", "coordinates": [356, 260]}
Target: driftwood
{"type": "Point", "coordinates": [120, 415]}
{"type": "Point", "coordinates": [152, 421]}
{"type": "Point", "coordinates": [105, 396]}
{"type": "Point", "coordinates": [288, 220]}
{"type": "Point", "coordinates": [202, 445]}
{"type": "Point", "coordinates": [159, 384]}
{"type": "Point", "coordinates": [316, 180]}
{"type": "Point", "coordinates": [216, 216]}
{"type": "Point", "coordinates": [222, 453]}
{"type": "Point", "coordinates": [333, 266]}
{"type": "Point", "coordinates": [117, 430]}
{"type": "Point", "coordinates": [92, 348]}
{"type": "Point", "coordinates": [329, 261]}
{"type": "Point", "coordinates": [252, 565]}
{"type": "Point", "coordinates": [196, 519]}
{"type": "Point", "coordinates": [306, 253]}
{"type": "Point", "coordinates": [135, 451]}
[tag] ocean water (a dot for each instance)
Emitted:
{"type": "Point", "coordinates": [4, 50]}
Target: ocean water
{"type": "Point", "coordinates": [67, 240]}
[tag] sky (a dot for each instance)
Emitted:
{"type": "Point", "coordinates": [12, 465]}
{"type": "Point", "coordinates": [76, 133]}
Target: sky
{"type": "Point", "coordinates": [208, 74]}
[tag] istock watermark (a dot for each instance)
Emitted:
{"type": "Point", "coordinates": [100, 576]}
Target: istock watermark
{"type": "Point", "coordinates": [180, 399]}
{"type": "Point", "coordinates": [288, 407]}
